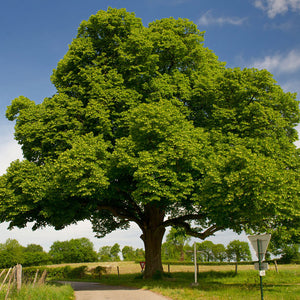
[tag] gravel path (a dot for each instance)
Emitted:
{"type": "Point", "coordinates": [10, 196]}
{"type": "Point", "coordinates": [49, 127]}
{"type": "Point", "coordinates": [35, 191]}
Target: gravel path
{"type": "Point", "coordinates": [97, 291]}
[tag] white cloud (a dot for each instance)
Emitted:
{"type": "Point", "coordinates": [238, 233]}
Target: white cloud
{"type": "Point", "coordinates": [10, 150]}
{"type": "Point", "coordinates": [209, 19]}
{"type": "Point", "coordinates": [280, 63]}
{"type": "Point", "coordinates": [275, 7]}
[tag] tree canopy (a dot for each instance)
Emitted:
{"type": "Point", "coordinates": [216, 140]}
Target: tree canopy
{"type": "Point", "coordinates": [238, 251]}
{"type": "Point", "coordinates": [148, 126]}
{"type": "Point", "coordinates": [73, 251]}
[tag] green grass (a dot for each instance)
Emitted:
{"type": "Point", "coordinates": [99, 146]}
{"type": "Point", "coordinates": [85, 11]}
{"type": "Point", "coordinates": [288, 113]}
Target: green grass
{"type": "Point", "coordinates": [215, 282]}
{"type": "Point", "coordinates": [219, 285]}
{"type": "Point", "coordinates": [42, 292]}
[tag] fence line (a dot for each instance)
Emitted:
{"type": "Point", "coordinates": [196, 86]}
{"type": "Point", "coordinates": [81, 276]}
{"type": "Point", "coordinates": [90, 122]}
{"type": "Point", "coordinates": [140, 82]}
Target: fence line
{"type": "Point", "coordinates": [16, 278]}
{"type": "Point", "coordinates": [5, 278]}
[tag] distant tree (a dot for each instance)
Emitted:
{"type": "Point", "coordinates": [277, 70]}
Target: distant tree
{"type": "Point", "coordinates": [238, 251]}
{"type": "Point", "coordinates": [104, 253]}
{"type": "Point", "coordinates": [290, 254]}
{"type": "Point", "coordinates": [140, 254]}
{"type": "Point", "coordinates": [205, 251]}
{"type": "Point", "coordinates": [175, 242]}
{"type": "Point", "coordinates": [285, 242]}
{"type": "Point", "coordinates": [189, 252]}
{"type": "Point", "coordinates": [114, 252]}
{"type": "Point", "coordinates": [73, 251]}
{"type": "Point", "coordinates": [36, 259]}
{"type": "Point", "coordinates": [11, 253]}
{"type": "Point", "coordinates": [128, 253]}
{"type": "Point", "coordinates": [219, 252]}
{"type": "Point", "coordinates": [34, 255]}
{"type": "Point", "coordinates": [33, 248]}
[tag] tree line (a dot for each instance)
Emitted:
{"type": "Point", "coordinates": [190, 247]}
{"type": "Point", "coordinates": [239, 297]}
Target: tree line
{"type": "Point", "coordinates": [71, 251]}
{"type": "Point", "coordinates": [177, 247]}
{"type": "Point", "coordinates": [82, 250]}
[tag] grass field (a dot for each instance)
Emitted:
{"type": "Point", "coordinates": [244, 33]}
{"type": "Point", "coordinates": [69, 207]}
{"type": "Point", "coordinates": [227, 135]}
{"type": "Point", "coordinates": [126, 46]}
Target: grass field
{"type": "Point", "coordinates": [42, 292]}
{"type": "Point", "coordinates": [215, 282]}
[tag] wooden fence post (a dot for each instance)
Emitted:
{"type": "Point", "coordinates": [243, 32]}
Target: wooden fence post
{"type": "Point", "coordinates": [2, 273]}
{"type": "Point", "coordinates": [275, 262]}
{"type": "Point", "coordinates": [9, 282]}
{"type": "Point", "coordinates": [35, 277]}
{"type": "Point", "coordinates": [43, 277]}
{"type": "Point", "coordinates": [19, 276]}
{"type": "Point", "coordinates": [5, 278]}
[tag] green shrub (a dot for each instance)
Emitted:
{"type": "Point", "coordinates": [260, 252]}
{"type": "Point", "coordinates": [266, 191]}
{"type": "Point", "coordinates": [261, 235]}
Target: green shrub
{"type": "Point", "coordinates": [98, 271]}
{"type": "Point", "coordinates": [78, 272]}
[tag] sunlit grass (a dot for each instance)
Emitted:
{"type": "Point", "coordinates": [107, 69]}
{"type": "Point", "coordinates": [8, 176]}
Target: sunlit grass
{"type": "Point", "coordinates": [215, 282]}
{"type": "Point", "coordinates": [219, 285]}
{"type": "Point", "coordinates": [41, 292]}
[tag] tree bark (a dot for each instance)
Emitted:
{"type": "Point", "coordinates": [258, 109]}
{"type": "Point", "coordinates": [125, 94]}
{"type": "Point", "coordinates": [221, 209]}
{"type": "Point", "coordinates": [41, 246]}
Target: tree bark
{"type": "Point", "coordinates": [153, 232]}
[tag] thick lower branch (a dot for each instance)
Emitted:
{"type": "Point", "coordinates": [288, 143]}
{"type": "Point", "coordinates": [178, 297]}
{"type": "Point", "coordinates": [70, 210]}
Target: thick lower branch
{"type": "Point", "coordinates": [121, 213]}
{"type": "Point", "coordinates": [202, 235]}
{"type": "Point", "coordinates": [181, 219]}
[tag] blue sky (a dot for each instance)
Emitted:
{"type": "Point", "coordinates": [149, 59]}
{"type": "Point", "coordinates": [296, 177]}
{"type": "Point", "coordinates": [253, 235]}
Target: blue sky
{"type": "Point", "coordinates": [35, 36]}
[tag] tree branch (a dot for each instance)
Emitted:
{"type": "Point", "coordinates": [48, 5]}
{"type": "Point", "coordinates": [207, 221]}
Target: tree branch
{"type": "Point", "coordinates": [121, 213]}
{"type": "Point", "coordinates": [178, 220]}
{"type": "Point", "coordinates": [202, 235]}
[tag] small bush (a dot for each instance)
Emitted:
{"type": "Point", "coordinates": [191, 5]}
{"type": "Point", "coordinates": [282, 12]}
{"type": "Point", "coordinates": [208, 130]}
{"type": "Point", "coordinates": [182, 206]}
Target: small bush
{"type": "Point", "coordinates": [78, 272]}
{"type": "Point", "coordinates": [98, 271]}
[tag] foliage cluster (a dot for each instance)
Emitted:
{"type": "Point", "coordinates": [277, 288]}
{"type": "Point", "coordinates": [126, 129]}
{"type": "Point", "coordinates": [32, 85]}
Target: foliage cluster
{"type": "Point", "coordinates": [72, 251]}
{"type": "Point", "coordinates": [207, 251]}
{"type": "Point", "coordinates": [12, 253]}
{"type": "Point", "coordinates": [112, 253]}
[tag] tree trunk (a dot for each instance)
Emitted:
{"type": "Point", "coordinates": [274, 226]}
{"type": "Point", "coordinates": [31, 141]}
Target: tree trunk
{"type": "Point", "coordinates": [152, 236]}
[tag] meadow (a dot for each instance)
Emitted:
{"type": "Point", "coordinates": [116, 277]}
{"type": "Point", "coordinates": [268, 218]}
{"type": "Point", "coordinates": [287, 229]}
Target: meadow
{"type": "Point", "coordinates": [42, 292]}
{"type": "Point", "coordinates": [214, 282]}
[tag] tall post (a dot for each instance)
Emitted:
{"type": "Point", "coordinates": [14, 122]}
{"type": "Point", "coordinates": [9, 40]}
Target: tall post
{"type": "Point", "coordinates": [260, 268]}
{"type": "Point", "coordinates": [19, 276]}
{"type": "Point", "coordinates": [195, 262]}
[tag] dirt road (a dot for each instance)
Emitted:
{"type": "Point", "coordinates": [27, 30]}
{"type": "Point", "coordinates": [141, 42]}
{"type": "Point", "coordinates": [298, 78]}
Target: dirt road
{"type": "Point", "coordinates": [96, 291]}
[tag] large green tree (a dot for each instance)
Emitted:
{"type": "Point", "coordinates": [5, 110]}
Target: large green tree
{"type": "Point", "coordinates": [148, 126]}
{"type": "Point", "coordinates": [11, 253]}
{"type": "Point", "coordinates": [174, 246]}
{"type": "Point", "coordinates": [238, 251]}
{"type": "Point", "coordinates": [73, 251]}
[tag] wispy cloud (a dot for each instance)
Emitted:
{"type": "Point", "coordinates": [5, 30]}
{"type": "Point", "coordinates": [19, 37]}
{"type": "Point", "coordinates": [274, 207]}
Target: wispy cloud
{"type": "Point", "coordinates": [9, 151]}
{"type": "Point", "coordinates": [208, 19]}
{"type": "Point", "coordinates": [275, 7]}
{"type": "Point", "coordinates": [280, 63]}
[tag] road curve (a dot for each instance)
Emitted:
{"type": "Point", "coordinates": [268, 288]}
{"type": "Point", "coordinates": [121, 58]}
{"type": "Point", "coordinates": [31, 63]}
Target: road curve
{"type": "Point", "coordinates": [97, 291]}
